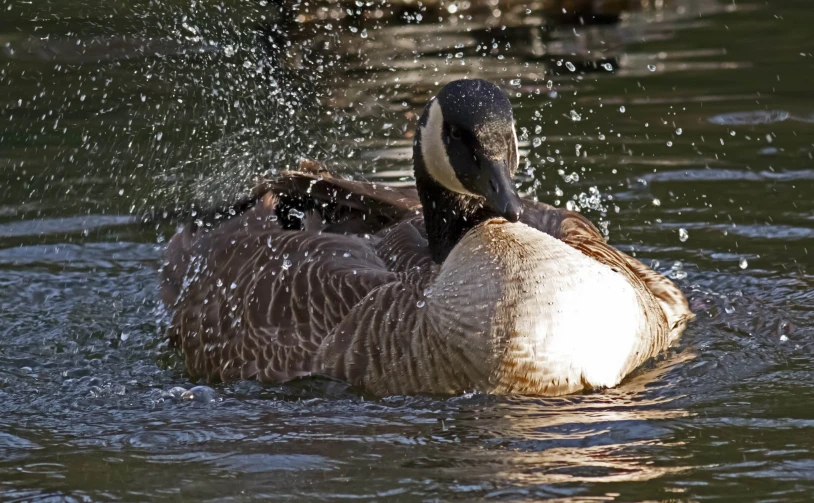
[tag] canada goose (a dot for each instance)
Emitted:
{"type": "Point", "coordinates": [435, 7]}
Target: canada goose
{"type": "Point", "coordinates": [455, 285]}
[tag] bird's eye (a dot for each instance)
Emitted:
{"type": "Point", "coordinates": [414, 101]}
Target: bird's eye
{"type": "Point", "coordinates": [454, 133]}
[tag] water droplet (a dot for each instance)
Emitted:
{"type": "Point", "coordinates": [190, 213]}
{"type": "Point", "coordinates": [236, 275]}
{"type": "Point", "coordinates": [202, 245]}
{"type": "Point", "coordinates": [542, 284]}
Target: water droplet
{"type": "Point", "coordinates": [175, 392]}
{"type": "Point", "coordinates": [607, 66]}
{"type": "Point", "coordinates": [286, 264]}
{"type": "Point", "coordinates": [219, 283]}
{"type": "Point", "coordinates": [683, 235]}
{"type": "Point", "coordinates": [669, 144]}
{"type": "Point", "coordinates": [652, 68]}
{"type": "Point", "coordinates": [428, 292]}
{"type": "Point", "coordinates": [656, 202]}
{"type": "Point", "coordinates": [364, 33]}
{"type": "Point", "coordinates": [420, 304]}
{"type": "Point", "coordinates": [199, 394]}
{"type": "Point", "coordinates": [783, 338]}
{"type": "Point", "coordinates": [233, 286]}
{"type": "Point", "coordinates": [679, 131]}
{"type": "Point", "coordinates": [677, 271]}
{"type": "Point", "coordinates": [570, 66]}
{"type": "Point", "coordinates": [743, 263]}
{"type": "Point", "coordinates": [536, 142]}
{"type": "Point", "coordinates": [575, 116]}
{"type": "Point", "coordinates": [538, 129]}
{"type": "Point", "coordinates": [601, 137]}
{"type": "Point", "coordinates": [622, 109]}
{"type": "Point", "coordinates": [346, 254]}
{"type": "Point", "coordinates": [295, 213]}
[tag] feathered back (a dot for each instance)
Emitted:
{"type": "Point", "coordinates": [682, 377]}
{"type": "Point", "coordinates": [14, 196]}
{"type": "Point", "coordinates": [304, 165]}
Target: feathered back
{"type": "Point", "coordinates": [312, 262]}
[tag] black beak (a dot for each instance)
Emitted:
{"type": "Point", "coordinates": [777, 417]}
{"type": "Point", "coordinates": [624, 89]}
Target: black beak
{"type": "Point", "coordinates": [496, 185]}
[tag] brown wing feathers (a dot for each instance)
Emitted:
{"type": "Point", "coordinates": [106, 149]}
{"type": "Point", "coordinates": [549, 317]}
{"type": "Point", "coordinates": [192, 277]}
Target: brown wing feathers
{"type": "Point", "coordinates": [345, 206]}
{"type": "Point", "coordinates": [253, 299]}
{"type": "Point", "coordinates": [263, 298]}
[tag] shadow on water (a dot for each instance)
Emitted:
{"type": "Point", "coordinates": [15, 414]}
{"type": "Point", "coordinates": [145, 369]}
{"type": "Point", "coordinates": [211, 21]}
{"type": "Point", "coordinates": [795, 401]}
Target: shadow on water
{"type": "Point", "coordinates": [682, 127]}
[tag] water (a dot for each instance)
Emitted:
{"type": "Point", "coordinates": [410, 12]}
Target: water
{"type": "Point", "coordinates": [686, 115]}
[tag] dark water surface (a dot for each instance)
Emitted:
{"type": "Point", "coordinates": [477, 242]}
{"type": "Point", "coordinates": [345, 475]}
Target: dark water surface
{"type": "Point", "coordinates": [686, 129]}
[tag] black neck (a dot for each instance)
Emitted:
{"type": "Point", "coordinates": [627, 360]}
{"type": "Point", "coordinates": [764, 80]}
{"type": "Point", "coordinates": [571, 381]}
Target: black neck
{"type": "Point", "coordinates": [447, 214]}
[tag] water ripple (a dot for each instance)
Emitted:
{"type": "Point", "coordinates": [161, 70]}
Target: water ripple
{"type": "Point", "coordinates": [750, 118]}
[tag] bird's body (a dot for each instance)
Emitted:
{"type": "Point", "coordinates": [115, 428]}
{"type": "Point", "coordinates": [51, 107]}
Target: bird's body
{"type": "Point", "coordinates": [364, 283]}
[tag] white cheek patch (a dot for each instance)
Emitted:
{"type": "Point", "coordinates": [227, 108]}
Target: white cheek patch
{"type": "Point", "coordinates": [512, 169]}
{"type": "Point", "coordinates": [435, 153]}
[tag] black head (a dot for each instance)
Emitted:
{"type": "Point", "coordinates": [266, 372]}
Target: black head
{"type": "Point", "coordinates": [467, 144]}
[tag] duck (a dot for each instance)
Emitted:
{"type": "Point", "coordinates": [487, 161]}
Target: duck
{"type": "Point", "coordinates": [454, 285]}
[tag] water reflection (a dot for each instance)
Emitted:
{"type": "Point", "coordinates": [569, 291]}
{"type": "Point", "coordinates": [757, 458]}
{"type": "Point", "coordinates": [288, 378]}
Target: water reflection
{"type": "Point", "coordinates": [372, 63]}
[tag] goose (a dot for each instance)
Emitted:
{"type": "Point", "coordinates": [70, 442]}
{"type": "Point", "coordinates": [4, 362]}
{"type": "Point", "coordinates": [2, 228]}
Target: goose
{"type": "Point", "coordinates": [451, 286]}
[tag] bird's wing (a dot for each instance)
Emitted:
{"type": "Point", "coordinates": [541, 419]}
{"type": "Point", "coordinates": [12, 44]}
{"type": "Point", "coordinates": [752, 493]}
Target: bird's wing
{"type": "Point", "coordinates": [255, 300]}
{"type": "Point", "coordinates": [344, 206]}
